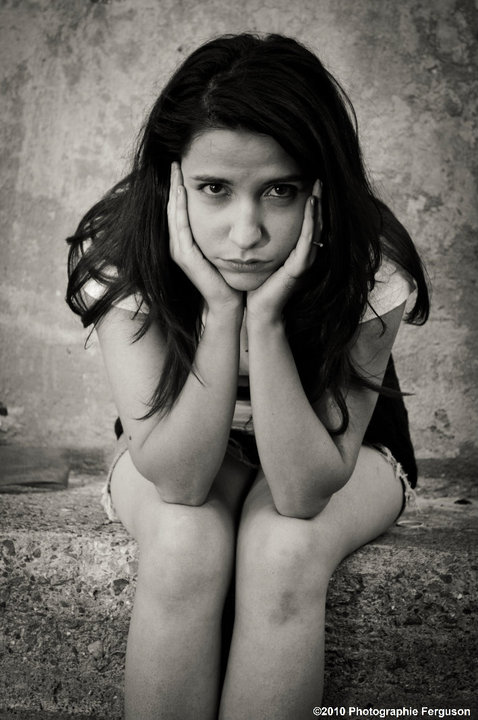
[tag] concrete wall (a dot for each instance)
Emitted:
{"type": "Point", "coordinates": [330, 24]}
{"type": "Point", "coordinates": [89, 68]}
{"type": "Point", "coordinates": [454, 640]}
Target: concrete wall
{"type": "Point", "coordinates": [78, 77]}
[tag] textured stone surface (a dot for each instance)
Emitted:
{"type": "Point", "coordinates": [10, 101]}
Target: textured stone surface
{"type": "Point", "coordinates": [67, 591]}
{"type": "Point", "coordinates": [401, 619]}
{"type": "Point", "coordinates": [77, 78]}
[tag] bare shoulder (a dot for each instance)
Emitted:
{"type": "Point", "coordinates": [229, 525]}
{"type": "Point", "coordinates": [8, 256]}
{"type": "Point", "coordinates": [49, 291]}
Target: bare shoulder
{"type": "Point", "coordinates": [374, 340]}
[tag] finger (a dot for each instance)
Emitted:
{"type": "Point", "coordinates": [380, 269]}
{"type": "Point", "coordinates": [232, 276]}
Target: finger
{"type": "Point", "coordinates": [305, 252]}
{"type": "Point", "coordinates": [172, 189]}
{"type": "Point", "coordinates": [171, 211]}
{"type": "Point", "coordinates": [182, 237]}
{"type": "Point", "coordinates": [185, 238]}
{"type": "Point", "coordinates": [317, 193]}
{"type": "Point", "coordinates": [304, 243]}
{"type": "Point", "coordinates": [180, 199]}
{"type": "Point", "coordinates": [312, 225]}
{"type": "Point", "coordinates": [173, 194]}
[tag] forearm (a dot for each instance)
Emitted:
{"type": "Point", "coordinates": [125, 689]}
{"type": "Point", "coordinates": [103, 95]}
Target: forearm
{"type": "Point", "coordinates": [184, 451]}
{"type": "Point", "coordinates": [301, 462]}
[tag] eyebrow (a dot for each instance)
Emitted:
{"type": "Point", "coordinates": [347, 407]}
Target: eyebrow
{"type": "Point", "coordinates": [276, 180]}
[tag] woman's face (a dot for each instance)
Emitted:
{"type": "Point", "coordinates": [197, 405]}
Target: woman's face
{"type": "Point", "coordinates": [246, 199]}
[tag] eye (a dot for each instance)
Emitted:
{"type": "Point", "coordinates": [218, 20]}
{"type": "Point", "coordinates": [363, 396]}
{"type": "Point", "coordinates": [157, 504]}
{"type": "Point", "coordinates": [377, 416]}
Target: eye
{"type": "Point", "coordinates": [212, 189]}
{"type": "Point", "coordinates": [283, 191]}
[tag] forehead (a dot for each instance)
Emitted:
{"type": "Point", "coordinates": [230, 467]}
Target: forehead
{"type": "Point", "coordinates": [237, 153]}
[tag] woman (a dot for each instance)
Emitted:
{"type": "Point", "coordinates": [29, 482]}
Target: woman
{"type": "Point", "coordinates": [246, 286]}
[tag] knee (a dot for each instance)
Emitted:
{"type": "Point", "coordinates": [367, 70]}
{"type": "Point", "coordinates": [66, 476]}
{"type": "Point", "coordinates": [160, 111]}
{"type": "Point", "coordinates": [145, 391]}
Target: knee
{"type": "Point", "coordinates": [286, 562]}
{"type": "Point", "coordinates": [188, 555]}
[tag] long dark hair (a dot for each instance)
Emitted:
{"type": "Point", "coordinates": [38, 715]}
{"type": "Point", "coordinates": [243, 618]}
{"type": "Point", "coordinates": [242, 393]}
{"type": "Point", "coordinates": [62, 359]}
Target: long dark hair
{"type": "Point", "coordinates": [275, 86]}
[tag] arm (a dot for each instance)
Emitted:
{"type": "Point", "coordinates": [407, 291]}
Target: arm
{"type": "Point", "coordinates": [303, 463]}
{"type": "Point", "coordinates": [182, 451]}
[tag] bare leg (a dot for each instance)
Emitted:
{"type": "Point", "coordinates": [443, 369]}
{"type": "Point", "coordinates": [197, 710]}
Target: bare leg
{"type": "Point", "coordinates": [185, 565]}
{"type": "Point", "coordinates": [275, 667]}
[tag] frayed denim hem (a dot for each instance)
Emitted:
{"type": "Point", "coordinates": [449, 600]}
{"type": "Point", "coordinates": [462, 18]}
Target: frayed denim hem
{"type": "Point", "coordinates": [409, 494]}
{"type": "Point", "coordinates": [106, 500]}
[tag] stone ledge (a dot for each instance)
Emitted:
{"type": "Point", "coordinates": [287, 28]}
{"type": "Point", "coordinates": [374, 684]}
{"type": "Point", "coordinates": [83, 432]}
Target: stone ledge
{"type": "Point", "coordinates": [400, 625]}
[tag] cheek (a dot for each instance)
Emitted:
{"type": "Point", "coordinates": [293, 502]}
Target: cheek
{"type": "Point", "coordinates": [285, 229]}
{"type": "Point", "coordinates": [202, 225]}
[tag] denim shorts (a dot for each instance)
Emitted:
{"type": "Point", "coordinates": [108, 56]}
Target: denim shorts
{"type": "Point", "coordinates": [247, 455]}
{"type": "Point", "coordinates": [106, 500]}
{"type": "Point", "coordinates": [409, 494]}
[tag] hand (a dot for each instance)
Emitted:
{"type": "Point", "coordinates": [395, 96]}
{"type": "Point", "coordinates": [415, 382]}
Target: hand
{"type": "Point", "coordinates": [186, 253]}
{"type": "Point", "coordinates": [267, 302]}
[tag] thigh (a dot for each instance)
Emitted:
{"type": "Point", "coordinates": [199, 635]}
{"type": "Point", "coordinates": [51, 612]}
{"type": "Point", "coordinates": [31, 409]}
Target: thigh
{"type": "Point", "coordinates": [363, 509]}
{"type": "Point", "coordinates": [140, 507]}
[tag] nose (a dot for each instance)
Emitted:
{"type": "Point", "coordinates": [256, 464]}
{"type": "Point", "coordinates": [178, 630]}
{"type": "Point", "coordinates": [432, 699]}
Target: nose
{"type": "Point", "coordinates": [246, 229]}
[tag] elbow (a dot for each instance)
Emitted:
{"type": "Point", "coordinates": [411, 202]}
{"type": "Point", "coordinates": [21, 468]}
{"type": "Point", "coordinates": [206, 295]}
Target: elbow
{"type": "Point", "coordinates": [173, 487]}
{"type": "Point", "coordinates": [174, 496]}
{"type": "Point", "coordinates": [308, 496]}
{"type": "Point", "coordinates": [305, 510]}
{"type": "Point", "coordinates": [175, 490]}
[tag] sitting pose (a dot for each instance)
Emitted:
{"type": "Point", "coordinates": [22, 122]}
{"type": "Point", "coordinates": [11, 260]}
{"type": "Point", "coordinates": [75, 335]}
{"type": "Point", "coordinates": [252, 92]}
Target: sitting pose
{"type": "Point", "coordinates": [246, 285]}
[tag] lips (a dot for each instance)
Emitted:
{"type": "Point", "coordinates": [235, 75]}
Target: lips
{"type": "Point", "coordinates": [243, 262]}
{"type": "Point", "coordinates": [249, 265]}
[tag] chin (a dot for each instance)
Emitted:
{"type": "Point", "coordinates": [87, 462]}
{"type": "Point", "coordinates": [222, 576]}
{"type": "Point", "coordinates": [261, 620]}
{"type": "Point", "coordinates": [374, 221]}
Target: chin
{"type": "Point", "coordinates": [245, 282]}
